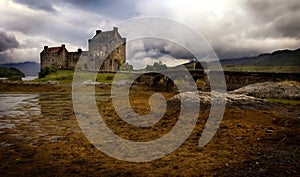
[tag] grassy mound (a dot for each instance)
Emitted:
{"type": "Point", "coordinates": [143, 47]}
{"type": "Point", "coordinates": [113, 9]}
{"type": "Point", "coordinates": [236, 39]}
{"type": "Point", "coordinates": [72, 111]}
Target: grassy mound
{"type": "Point", "coordinates": [11, 73]}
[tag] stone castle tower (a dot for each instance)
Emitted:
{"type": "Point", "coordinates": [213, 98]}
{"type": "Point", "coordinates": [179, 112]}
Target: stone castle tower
{"type": "Point", "coordinates": [106, 52]}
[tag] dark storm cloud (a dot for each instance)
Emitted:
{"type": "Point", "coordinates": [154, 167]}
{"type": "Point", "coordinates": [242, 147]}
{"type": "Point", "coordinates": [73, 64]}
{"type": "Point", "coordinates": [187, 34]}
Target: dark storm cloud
{"type": "Point", "coordinates": [7, 42]}
{"type": "Point", "coordinates": [4, 58]}
{"type": "Point", "coordinates": [272, 9]}
{"type": "Point", "coordinates": [241, 29]}
{"type": "Point", "coordinates": [166, 47]}
{"type": "Point", "coordinates": [159, 47]}
{"type": "Point", "coordinates": [63, 30]}
{"type": "Point", "coordinates": [230, 54]}
{"type": "Point", "coordinates": [113, 8]}
{"type": "Point", "coordinates": [282, 16]}
{"type": "Point", "coordinates": [37, 4]}
{"type": "Point", "coordinates": [289, 26]}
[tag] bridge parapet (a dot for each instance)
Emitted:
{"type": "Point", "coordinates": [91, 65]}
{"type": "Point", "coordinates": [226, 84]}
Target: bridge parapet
{"type": "Point", "coordinates": [234, 79]}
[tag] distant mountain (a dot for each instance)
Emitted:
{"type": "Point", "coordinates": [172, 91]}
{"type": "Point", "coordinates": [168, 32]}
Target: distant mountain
{"type": "Point", "coordinates": [277, 58]}
{"type": "Point", "coordinates": [28, 68]}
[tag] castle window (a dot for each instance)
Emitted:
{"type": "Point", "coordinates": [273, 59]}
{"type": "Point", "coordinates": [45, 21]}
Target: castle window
{"type": "Point", "coordinates": [118, 50]}
{"type": "Point", "coordinates": [85, 66]}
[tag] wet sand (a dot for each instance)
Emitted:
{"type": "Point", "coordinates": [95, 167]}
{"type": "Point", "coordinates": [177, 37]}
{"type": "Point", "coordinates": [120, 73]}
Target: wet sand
{"type": "Point", "coordinates": [40, 137]}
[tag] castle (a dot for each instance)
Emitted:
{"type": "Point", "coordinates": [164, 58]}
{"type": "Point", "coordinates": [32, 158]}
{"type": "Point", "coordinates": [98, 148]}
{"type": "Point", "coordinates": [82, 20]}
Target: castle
{"type": "Point", "coordinates": [106, 52]}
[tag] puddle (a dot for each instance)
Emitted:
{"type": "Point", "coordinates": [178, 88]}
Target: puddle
{"type": "Point", "coordinates": [18, 104]}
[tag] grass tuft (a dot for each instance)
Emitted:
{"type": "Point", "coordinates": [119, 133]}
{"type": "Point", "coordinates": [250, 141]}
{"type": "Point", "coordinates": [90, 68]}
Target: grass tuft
{"type": "Point", "coordinates": [284, 101]}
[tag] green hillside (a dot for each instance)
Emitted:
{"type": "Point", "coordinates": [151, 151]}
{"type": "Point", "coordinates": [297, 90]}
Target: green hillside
{"type": "Point", "coordinates": [278, 61]}
{"type": "Point", "coordinates": [277, 58]}
{"type": "Point", "coordinates": [11, 73]}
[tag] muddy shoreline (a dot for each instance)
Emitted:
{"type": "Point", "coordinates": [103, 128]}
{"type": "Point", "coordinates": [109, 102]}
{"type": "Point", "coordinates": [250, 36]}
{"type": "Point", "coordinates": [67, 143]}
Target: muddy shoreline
{"type": "Point", "coordinates": [249, 142]}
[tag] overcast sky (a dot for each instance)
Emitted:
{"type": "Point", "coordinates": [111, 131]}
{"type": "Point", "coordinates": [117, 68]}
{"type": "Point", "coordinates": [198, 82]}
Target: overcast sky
{"type": "Point", "coordinates": [234, 28]}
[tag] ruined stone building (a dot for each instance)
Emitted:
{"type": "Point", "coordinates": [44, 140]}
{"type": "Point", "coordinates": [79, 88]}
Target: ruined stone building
{"type": "Point", "coordinates": [106, 52]}
{"type": "Point", "coordinates": [59, 57]}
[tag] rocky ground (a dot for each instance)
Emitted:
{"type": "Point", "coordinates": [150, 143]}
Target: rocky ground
{"type": "Point", "coordinates": [41, 137]}
{"type": "Point", "coordinates": [279, 90]}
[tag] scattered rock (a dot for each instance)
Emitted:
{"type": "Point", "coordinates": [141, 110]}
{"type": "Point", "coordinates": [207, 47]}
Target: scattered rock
{"type": "Point", "coordinates": [122, 83]}
{"type": "Point", "coordinates": [88, 82]}
{"type": "Point", "coordinates": [52, 82]}
{"type": "Point", "coordinates": [91, 83]}
{"type": "Point", "coordinates": [278, 90]}
{"type": "Point", "coordinates": [231, 100]}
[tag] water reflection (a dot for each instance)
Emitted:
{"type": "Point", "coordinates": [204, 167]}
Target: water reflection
{"type": "Point", "coordinates": [34, 118]}
{"type": "Point", "coordinates": [45, 104]}
{"type": "Point", "coordinates": [19, 104]}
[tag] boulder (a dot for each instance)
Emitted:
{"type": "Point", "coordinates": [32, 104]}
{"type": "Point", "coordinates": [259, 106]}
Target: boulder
{"type": "Point", "coordinates": [278, 90]}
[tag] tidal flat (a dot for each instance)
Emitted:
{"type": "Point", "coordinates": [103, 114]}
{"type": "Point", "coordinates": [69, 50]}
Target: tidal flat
{"type": "Point", "coordinates": [40, 136]}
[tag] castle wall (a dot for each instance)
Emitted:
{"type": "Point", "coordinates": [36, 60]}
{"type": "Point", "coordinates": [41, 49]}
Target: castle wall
{"type": "Point", "coordinates": [54, 59]}
{"type": "Point", "coordinates": [108, 50]}
{"type": "Point", "coordinates": [72, 59]}
{"type": "Point", "coordinates": [115, 59]}
{"type": "Point", "coordinates": [47, 59]}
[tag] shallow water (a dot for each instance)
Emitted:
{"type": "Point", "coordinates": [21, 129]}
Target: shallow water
{"type": "Point", "coordinates": [33, 118]}
{"type": "Point", "coordinates": [38, 117]}
{"type": "Point", "coordinates": [14, 104]}
{"type": "Point", "coordinates": [29, 78]}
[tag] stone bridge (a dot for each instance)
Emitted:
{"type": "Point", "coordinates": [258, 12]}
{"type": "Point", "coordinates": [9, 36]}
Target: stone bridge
{"type": "Point", "coordinates": [234, 79]}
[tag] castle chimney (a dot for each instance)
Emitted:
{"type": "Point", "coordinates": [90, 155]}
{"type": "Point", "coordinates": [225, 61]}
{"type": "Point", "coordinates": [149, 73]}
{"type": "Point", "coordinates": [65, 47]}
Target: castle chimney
{"type": "Point", "coordinates": [79, 50]}
{"type": "Point", "coordinates": [115, 29]}
{"type": "Point", "coordinates": [98, 31]}
{"type": "Point", "coordinates": [45, 48]}
{"type": "Point", "coordinates": [63, 46]}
